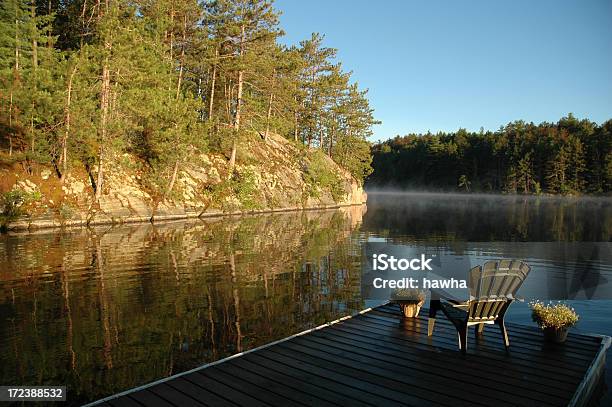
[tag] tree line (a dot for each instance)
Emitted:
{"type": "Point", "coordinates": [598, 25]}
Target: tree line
{"type": "Point", "coordinates": [82, 83]}
{"type": "Point", "coordinates": [571, 156]}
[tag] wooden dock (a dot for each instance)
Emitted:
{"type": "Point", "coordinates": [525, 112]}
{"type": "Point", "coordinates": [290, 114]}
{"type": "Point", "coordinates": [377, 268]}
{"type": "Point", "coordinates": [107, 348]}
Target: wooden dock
{"type": "Point", "coordinates": [378, 358]}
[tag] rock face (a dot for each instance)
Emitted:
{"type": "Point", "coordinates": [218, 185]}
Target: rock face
{"type": "Point", "coordinates": [272, 175]}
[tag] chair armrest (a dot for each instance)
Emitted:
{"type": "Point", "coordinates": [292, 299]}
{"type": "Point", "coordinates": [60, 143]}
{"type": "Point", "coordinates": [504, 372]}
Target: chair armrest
{"type": "Point", "coordinates": [458, 304]}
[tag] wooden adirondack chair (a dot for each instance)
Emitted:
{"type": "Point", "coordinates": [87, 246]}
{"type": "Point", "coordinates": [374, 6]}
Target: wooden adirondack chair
{"type": "Point", "coordinates": [493, 288]}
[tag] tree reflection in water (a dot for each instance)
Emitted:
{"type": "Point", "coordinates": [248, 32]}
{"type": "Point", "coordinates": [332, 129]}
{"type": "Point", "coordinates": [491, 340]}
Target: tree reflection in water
{"type": "Point", "coordinates": [106, 309]}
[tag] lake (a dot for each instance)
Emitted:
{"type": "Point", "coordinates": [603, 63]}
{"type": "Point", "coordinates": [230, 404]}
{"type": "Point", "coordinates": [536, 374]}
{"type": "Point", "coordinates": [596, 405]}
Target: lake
{"type": "Point", "coordinates": [104, 309]}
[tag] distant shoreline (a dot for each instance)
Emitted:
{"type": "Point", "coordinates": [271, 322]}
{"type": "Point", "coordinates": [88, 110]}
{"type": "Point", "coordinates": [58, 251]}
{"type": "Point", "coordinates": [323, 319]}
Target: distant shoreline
{"type": "Point", "coordinates": [397, 191]}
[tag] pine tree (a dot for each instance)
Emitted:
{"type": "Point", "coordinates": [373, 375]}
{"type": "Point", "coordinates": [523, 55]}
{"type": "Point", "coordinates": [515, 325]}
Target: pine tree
{"type": "Point", "coordinates": [82, 83]}
{"type": "Point", "coordinates": [242, 24]}
{"type": "Point", "coordinates": [317, 65]}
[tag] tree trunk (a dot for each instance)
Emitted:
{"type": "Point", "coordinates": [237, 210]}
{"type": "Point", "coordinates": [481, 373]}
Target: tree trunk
{"type": "Point", "coordinates": [173, 178]}
{"type": "Point", "coordinates": [49, 31]}
{"type": "Point", "coordinates": [16, 45]}
{"type": "Point", "coordinates": [232, 162]}
{"type": "Point", "coordinates": [104, 104]}
{"type": "Point", "coordinates": [35, 67]}
{"type": "Point", "coordinates": [172, 32]}
{"type": "Point", "coordinates": [239, 100]}
{"type": "Point", "coordinates": [212, 86]}
{"type": "Point", "coordinates": [321, 140]}
{"type": "Point", "coordinates": [268, 117]}
{"type": "Point", "coordinates": [11, 124]}
{"type": "Point", "coordinates": [178, 94]}
{"type": "Point", "coordinates": [296, 129]}
{"type": "Point", "coordinates": [67, 129]}
{"type": "Point", "coordinates": [34, 41]}
{"type": "Point", "coordinates": [270, 100]}
{"type": "Point", "coordinates": [32, 141]}
{"type": "Point", "coordinates": [100, 177]}
{"type": "Point", "coordinates": [240, 83]}
{"type": "Point", "coordinates": [182, 58]}
{"type": "Point", "coordinates": [331, 140]}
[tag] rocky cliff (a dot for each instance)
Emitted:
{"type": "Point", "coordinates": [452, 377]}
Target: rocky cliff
{"type": "Point", "coordinates": [272, 175]}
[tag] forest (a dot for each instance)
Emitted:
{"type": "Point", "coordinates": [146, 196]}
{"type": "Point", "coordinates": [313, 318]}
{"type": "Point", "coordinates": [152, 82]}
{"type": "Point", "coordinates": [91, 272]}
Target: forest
{"type": "Point", "coordinates": [571, 156]}
{"type": "Point", "coordinates": [83, 83]}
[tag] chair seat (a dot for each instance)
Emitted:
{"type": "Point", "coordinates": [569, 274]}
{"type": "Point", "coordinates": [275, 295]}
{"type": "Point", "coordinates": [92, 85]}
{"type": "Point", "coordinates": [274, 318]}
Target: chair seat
{"type": "Point", "coordinates": [454, 312]}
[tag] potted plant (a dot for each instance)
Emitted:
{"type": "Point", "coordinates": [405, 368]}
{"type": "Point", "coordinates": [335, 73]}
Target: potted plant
{"type": "Point", "coordinates": [410, 301]}
{"type": "Point", "coordinates": [554, 319]}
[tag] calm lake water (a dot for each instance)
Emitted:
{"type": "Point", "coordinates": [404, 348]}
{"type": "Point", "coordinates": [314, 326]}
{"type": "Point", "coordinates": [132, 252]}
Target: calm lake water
{"type": "Point", "coordinates": [105, 309]}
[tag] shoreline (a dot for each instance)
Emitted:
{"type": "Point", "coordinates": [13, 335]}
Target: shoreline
{"type": "Point", "coordinates": [37, 224]}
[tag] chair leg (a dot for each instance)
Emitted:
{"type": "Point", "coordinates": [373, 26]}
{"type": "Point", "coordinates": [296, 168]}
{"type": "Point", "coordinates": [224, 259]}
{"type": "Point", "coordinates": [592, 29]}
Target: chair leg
{"type": "Point", "coordinates": [481, 328]}
{"type": "Point", "coordinates": [504, 333]}
{"type": "Point", "coordinates": [462, 333]}
{"type": "Point", "coordinates": [434, 306]}
{"type": "Point", "coordinates": [430, 326]}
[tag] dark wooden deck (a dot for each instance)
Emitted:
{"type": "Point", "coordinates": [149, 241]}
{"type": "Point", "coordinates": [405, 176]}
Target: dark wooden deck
{"type": "Point", "coordinates": [378, 358]}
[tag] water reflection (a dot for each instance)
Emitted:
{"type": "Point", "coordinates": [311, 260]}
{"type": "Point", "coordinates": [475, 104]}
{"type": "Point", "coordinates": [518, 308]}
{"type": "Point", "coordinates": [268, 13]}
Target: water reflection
{"type": "Point", "coordinates": [108, 309]}
{"type": "Point", "coordinates": [484, 218]}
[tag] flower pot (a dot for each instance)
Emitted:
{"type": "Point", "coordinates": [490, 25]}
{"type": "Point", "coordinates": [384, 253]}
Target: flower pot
{"type": "Point", "coordinates": [556, 335]}
{"type": "Point", "coordinates": [411, 309]}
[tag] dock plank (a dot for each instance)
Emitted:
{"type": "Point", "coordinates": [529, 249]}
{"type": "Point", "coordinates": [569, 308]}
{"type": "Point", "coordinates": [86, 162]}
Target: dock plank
{"type": "Point", "coordinates": [498, 359]}
{"type": "Point", "coordinates": [380, 358]}
{"type": "Point", "coordinates": [290, 395]}
{"type": "Point", "coordinates": [449, 382]}
{"type": "Point", "coordinates": [348, 395]}
{"type": "Point", "coordinates": [316, 395]}
{"type": "Point", "coordinates": [435, 362]}
{"type": "Point", "coordinates": [124, 401]}
{"type": "Point", "coordinates": [148, 398]}
{"type": "Point", "coordinates": [203, 380]}
{"type": "Point", "coordinates": [204, 396]}
{"type": "Point", "coordinates": [248, 383]}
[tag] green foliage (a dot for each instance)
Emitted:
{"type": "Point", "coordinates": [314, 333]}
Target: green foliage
{"type": "Point", "coordinates": [354, 154]}
{"type": "Point", "coordinates": [320, 176]}
{"type": "Point", "coordinates": [13, 201]}
{"type": "Point", "coordinates": [569, 157]}
{"type": "Point", "coordinates": [243, 187]}
{"type": "Point", "coordinates": [66, 211]}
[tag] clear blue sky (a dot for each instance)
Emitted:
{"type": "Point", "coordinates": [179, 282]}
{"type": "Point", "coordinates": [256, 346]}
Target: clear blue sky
{"type": "Point", "coordinates": [441, 65]}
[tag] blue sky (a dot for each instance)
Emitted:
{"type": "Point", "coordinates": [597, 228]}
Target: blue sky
{"type": "Point", "coordinates": [442, 65]}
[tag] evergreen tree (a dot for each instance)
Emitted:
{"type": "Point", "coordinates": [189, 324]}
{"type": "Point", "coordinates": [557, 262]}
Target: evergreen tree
{"type": "Point", "coordinates": [568, 157]}
{"type": "Point", "coordinates": [82, 83]}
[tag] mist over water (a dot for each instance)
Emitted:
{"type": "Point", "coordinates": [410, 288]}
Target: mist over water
{"type": "Point", "coordinates": [420, 215]}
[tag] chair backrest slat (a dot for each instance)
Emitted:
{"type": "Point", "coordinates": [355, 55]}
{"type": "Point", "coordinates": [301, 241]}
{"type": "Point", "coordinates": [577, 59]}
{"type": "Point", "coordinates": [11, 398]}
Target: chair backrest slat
{"type": "Point", "coordinates": [493, 285]}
